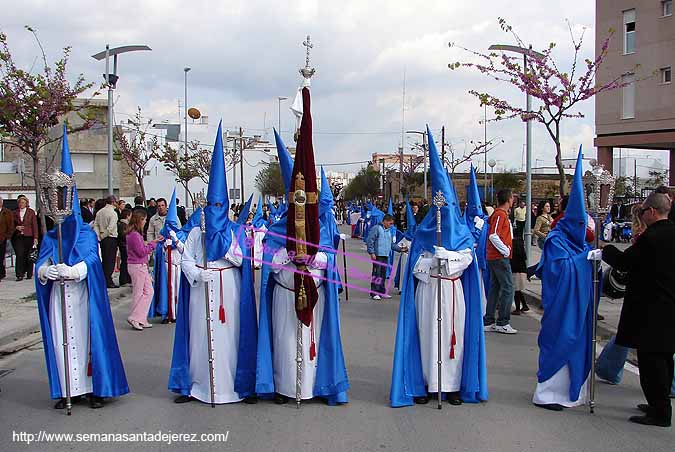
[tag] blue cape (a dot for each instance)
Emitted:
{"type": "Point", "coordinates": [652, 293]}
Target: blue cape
{"type": "Point", "coordinates": [407, 379]}
{"type": "Point", "coordinates": [474, 209]}
{"type": "Point", "coordinates": [331, 380]}
{"type": "Point", "coordinates": [567, 295]}
{"type": "Point", "coordinates": [244, 383]}
{"type": "Point", "coordinates": [376, 216]}
{"type": "Point", "coordinates": [409, 234]}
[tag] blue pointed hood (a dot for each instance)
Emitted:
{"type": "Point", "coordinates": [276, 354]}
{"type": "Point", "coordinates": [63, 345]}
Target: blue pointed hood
{"type": "Point", "coordinates": [285, 161]}
{"type": "Point", "coordinates": [474, 206]}
{"type": "Point", "coordinates": [258, 219]}
{"type": "Point", "coordinates": [245, 211]}
{"type": "Point", "coordinates": [575, 220]}
{"type": "Point", "coordinates": [326, 195]}
{"type": "Point", "coordinates": [171, 219]}
{"type": "Point", "coordinates": [390, 209]}
{"type": "Point", "coordinates": [411, 223]}
{"type": "Point", "coordinates": [67, 168]}
{"type": "Point", "coordinates": [455, 233]}
{"type": "Point", "coordinates": [218, 224]}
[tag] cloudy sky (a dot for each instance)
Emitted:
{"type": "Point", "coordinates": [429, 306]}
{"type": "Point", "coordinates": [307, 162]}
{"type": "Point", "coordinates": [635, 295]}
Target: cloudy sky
{"type": "Point", "coordinates": [244, 54]}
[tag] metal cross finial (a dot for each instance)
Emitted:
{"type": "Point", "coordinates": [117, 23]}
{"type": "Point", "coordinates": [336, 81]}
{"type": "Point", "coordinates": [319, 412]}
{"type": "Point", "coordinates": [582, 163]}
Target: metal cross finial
{"type": "Point", "coordinates": [439, 199]}
{"type": "Point", "coordinates": [307, 72]}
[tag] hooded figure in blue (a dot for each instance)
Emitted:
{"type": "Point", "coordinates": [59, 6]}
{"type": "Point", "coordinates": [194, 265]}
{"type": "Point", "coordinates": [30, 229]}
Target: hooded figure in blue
{"type": "Point", "coordinates": [325, 375]}
{"type": "Point", "coordinates": [464, 371]}
{"type": "Point", "coordinates": [565, 349]}
{"type": "Point", "coordinates": [476, 219]}
{"type": "Point", "coordinates": [406, 240]}
{"type": "Point", "coordinates": [373, 216]}
{"type": "Point", "coordinates": [167, 265]}
{"type": "Point", "coordinates": [360, 223]}
{"type": "Point", "coordinates": [259, 226]}
{"type": "Point", "coordinates": [94, 359]}
{"type": "Point", "coordinates": [228, 282]}
{"type": "Point", "coordinates": [396, 236]}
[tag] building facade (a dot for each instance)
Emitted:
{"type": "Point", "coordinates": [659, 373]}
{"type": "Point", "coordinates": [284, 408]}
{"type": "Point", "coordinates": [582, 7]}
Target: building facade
{"type": "Point", "coordinates": [641, 115]}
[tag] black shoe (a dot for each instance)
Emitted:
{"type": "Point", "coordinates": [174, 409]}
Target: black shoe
{"type": "Point", "coordinates": [61, 404]}
{"type": "Point", "coordinates": [95, 402]}
{"type": "Point", "coordinates": [250, 400]}
{"type": "Point", "coordinates": [524, 307]}
{"type": "Point", "coordinates": [280, 399]}
{"type": "Point", "coordinates": [112, 286]}
{"type": "Point", "coordinates": [183, 399]}
{"type": "Point", "coordinates": [644, 407]}
{"type": "Point", "coordinates": [648, 420]}
{"type": "Point", "coordinates": [550, 406]}
{"type": "Point", "coordinates": [165, 321]}
{"type": "Point", "coordinates": [454, 399]}
{"type": "Point", "coordinates": [421, 400]}
{"type": "Point", "coordinates": [19, 278]}
{"type": "Point", "coordinates": [515, 312]}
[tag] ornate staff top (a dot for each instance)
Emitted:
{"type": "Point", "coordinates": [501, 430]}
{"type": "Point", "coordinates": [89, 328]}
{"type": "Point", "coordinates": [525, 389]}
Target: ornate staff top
{"type": "Point", "coordinates": [599, 189]}
{"type": "Point", "coordinates": [200, 199]}
{"type": "Point", "coordinates": [307, 72]}
{"type": "Point", "coordinates": [439, 199]}
{"type": "Point", "coordinates": [56, 194]}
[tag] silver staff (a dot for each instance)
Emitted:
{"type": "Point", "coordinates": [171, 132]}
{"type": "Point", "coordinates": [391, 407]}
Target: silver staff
{"type": "Point", "coordinates": [57, 200]}
{"type": "Point", "coordinates": [201, 202]}
{"type": "Point", "coordinates": [439, 202]}
{"type": "Point", "coordinates": [298, 361]}
{"type": "Point", "coordinates": [599, 187]}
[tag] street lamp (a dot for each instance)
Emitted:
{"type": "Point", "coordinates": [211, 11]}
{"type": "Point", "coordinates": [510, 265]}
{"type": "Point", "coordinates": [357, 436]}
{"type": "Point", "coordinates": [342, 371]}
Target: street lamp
{"type": "Point", "coordinates": [111, 81]}
{"type": "Point", "coordinates": [528, 139]}
{"type": "Point", "coordinates": [424, 152]}
{"type": "Point", "coordinates": [280, 98]}
{"type": "Point", "coordinates": [185, 137]}
{"type": "Point", "coordinates": [492, 165]}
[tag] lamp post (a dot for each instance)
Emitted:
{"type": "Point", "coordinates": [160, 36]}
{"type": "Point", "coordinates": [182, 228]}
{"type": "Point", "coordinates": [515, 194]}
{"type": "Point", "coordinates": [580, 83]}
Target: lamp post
{"type": "Point", "coordinates": [528, 139]}
{"type": "Point", "coordinates": [111, 81]}
{"type": "Point", "coordinates": [424, 152]}
{"type": "Point", "coordinates": [492, 165]}
{"type": "Point", "coordinates": [185, 137]}
{"type": "Point", "coordinates": [280, 98]}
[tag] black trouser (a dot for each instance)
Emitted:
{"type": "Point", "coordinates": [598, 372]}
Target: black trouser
{"type": "Point", "coordinates": [379, 276]}
{"type": "Point", "coordinates": [108, 255]}
{"type": "Point", "coordinates": [22, 247]}
{"type": "Point", "coordinates": [656, 377]}
{"type": "Point", "coordinates": [3, 252]}
{"type": "Point", "coordinates": [124, 269]}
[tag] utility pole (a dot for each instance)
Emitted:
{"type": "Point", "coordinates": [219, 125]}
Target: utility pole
{"type": "Point", "coordinates": [485, 181]}
{"type": "Point", "coordinates": [241, 160]}
{"type": "Point", "coordinates": [186, 69]}
{"type": "Point", "coordinates": [443, 146]}
{"type": "Point", "coordinates": [400, 172]}
{"type": "Point", "coordinates": [424, 146]}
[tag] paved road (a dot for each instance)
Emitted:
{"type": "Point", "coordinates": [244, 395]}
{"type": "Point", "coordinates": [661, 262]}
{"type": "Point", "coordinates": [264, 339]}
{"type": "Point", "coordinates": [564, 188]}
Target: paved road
{"type": "Point", "coordinates": [508, 422]}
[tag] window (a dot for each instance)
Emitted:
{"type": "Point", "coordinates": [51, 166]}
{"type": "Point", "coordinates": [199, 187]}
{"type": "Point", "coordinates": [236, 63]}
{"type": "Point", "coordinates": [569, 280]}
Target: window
{"type": "Point", "coordinates": [666, 75]}
{"type": "Point", "coordinates": [629, 31]}
{"type": "Point", "coordinates": [83, 163]}
{"type": "Point", "coordinates": [628, 96]}
{"type": "Point", "coordinates": [667, 7]}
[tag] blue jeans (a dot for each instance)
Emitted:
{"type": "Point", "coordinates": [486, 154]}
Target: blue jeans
{"type": "Point", "coordinates": [611, 361]}
{"type": "Point", "coordinates": [501, 292]}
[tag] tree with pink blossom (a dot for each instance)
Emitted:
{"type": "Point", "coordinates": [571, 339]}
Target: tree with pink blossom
{"type": "Point", "coordinates": [557, 92]}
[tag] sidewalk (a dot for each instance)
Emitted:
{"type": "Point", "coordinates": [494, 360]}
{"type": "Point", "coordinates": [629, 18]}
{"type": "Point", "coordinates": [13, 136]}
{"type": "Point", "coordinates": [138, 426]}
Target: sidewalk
{"type": "Point", "coordinates": [609, 308]}
{"type": "Point", "coordinates": [19, 320]}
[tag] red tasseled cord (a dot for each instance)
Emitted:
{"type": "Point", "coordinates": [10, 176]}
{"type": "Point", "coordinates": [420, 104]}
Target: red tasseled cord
{"type": "Point", "coordinates": [312, 346]}
{"type": "Point", "coordinates": [89, 366]}
{"type": "Point", "coordinates": [453, 341]}
{"type": "Point", "coordinates": [221, 312]}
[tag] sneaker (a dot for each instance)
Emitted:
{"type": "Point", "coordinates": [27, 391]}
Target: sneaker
{"type": "Point", "coordinates": [386, 296]}
{"type": "Point", "coordinates": [490, 327]}
{"type": "Point", "coordinates": [506, 329]}
{"type": "Point", "coordinates": [376, 297]}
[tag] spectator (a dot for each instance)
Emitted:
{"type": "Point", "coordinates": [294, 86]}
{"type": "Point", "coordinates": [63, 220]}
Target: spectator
{"type": "Point", "coordinates": [379, 245]}
{"type": "Point", "coordinates": [98, 205]}
{"type": "Point", "coordinates": [25, 238]}
{"type": "Point", "coordinates": [638, 226]}
{"type": "Point", "coordinates": [87, 213]}
{"type": "Point", "coordinates": [648, 311]}
{"type": "Point", "coordinates": [121, 205]}
{"type": "Point", "coordinates": [666, 191]}
{"type": "Point", "coordinates": [519, 271]}
{"type": "Point", "coordinates": [141, 284]}
{"type": "Point", "coordinates": [157, 220]}
{"type": "Point", "coordinates": [618, 210]}
{"type": "Point", "coordinates": [182, 216]}
{"type": "Point", "coordinates": [499, 252]}
{"type": "Point", "coordinates": [122, 245]}
{"type": "Point", "coordinates": [139, 204]}
{"type": "Point", "coordinates": [6, 231]}
{"type": "Point", "coordinates": [543, 224]}
{"type": "Point", "coordinates": [416, 212]}
{"type": "Point", "coordinates": [105, 226]}
{"type": "Point", "coordinates": [519, 216]}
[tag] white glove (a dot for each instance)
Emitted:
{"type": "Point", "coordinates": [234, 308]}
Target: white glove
{"type": "Point", "coordinates": [67, 272]}
{"type": "Point", "coordinates": [343, 236]}
{"type": "Point", "coordinates": [441, 253]}
{"type": "Point", "coordinates": [173, 235]}
{"type": "Point", "coordinates": [48, 272]}
{"type": "Point", "coordinates": [168, 242]}
{"type": "Point", "coordinates": [594, 255]}
{"type": "Point", "coordinates": [206, 276]}
{"type": "Point", "coordinates": [478, 222]}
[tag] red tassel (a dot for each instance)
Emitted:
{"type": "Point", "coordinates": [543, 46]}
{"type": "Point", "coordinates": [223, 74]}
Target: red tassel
{"type": "Point", "coordinates": [312, 346]}
{"type": "Point", "coordinates": [89, 367]}
{"type": "Point", "coordinates": [221, 314]}
{"type": "Point", "coordinates": [453, 341]}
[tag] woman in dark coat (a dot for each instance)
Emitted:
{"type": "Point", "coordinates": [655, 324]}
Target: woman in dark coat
{"type": "Point", "coordinates": [519, 271]}
{"type": "Point", "coordinates": [25, 238]}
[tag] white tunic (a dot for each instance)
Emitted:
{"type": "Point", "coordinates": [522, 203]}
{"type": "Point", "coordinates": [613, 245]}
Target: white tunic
{"type": "Point", "coordinates": [259, 235]}
{"type": "Point", "coordinates": [426, 302]}
{"type": "Point", "coordinates": [404, 261]}
{"type": "Point", "coordinates": [285, 328]}
{"type": "Point", "coordinates": [176, 255]}
{"type": "Point", "coordinates": [224, 336]}
{"type": "Point", "coordinates": [77, 321]}
{"type": "Point", "coordinates": [557, 390]}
